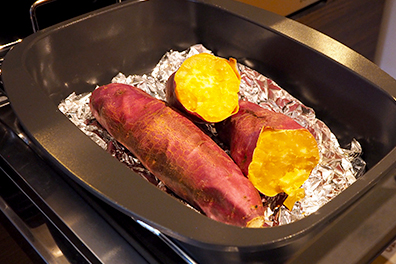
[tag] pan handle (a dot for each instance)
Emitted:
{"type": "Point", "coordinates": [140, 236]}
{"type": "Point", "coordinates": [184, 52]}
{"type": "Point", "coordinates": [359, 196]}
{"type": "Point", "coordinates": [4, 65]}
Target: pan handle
{"type": "Point", "coordinates": [3, 51]}
{"type": "Point", "coordinates": [32, 11]}
{"type": "Point", "coordinates": [33, 15]}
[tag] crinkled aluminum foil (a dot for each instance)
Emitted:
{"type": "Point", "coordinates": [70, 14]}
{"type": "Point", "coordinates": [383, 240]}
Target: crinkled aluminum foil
{"type": "Point", "coordinates": [338, 168]}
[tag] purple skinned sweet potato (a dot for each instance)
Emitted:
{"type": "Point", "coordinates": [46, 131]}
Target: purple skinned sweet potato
{"type": "Point", "coordinates": [176, 151]}
{"type": "Point", "coordinates": [272, 150]}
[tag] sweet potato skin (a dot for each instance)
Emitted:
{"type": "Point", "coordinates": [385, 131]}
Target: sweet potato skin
{"type": "Point", "coordinates": [171, 99]}
{"type": "Point", "coordinates": [177, 152]}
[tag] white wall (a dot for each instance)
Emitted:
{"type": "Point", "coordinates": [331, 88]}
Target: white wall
{"type": "Point", "coordinates": [386, 51]}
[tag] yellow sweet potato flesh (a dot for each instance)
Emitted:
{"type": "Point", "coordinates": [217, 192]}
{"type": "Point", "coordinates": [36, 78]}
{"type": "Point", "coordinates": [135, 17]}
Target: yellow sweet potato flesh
{"type": "Point", "coordinates": [282, 161]}
{"type": "Point", "coordinates": [208, 86]}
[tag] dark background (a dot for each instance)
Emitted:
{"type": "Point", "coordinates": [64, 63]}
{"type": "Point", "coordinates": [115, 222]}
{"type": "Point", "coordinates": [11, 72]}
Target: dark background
{"type": "Point", "coordinates": [15, 17]}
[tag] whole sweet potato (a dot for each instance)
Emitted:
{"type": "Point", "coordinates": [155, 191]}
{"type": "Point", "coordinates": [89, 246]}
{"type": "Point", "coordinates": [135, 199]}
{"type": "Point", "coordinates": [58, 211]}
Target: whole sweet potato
{"type": "Point", "coordinates": [183, 157]}
{"type": "Point", "coordinates": [205, 88]}
{"type": "Point", "coordinates": [272, 150]}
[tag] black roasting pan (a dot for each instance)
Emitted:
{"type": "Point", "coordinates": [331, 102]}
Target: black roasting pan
{"type": "Point", "coordinates": [349, 93]}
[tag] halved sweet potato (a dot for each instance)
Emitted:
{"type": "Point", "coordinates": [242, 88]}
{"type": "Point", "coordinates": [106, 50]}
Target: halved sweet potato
{"type": "Point", "coordinates": [272, 150]}
{"type": "Point", "coordinates": [176, 151]}
{"type": "Point", "coordinates": [205, 87]}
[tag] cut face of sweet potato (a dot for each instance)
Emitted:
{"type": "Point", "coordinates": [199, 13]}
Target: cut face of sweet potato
{"type": "Point", "coordinates": [282, 161]}
{"type": "Point", "coordinates": [206, 86]}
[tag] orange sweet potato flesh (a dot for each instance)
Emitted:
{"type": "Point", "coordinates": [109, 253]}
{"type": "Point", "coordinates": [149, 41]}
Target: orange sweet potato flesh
{"type": "Point", "coordinates": [272, 150]}
{"type": "Point", "coordinates": [177, 152]}
{"type": "Point", "coordinates": [205, 87]}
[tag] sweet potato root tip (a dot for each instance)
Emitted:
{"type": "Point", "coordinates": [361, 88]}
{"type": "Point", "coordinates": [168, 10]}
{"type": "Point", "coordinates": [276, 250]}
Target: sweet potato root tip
{"type": "Point", "coordinates": [257, 222]}
{"type": "Point", "coordinates": [176, 151]}
{"type": "Point", "coordinates": [205, 86]}
{"type": "Point", "coordinates": [275, 152]}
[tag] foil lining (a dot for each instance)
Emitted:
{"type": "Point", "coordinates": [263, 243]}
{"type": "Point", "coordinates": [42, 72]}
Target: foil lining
{"type": "Point", "coordinates": [338, 167]}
